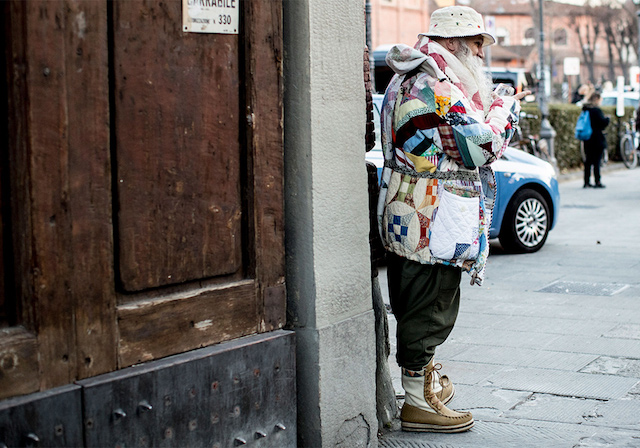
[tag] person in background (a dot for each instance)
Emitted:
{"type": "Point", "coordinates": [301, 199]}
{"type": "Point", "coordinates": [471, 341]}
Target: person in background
{"type": "Point", "coordinates": [442, 127]}
{"type": "Point", "coordinates": [594, 147]}
{"type": "Point", "coordinates": [581, 95]}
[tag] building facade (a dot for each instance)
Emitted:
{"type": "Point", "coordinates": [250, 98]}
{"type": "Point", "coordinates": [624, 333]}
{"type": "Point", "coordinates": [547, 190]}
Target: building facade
{"type": "Point", "coordinates": [515, 25]}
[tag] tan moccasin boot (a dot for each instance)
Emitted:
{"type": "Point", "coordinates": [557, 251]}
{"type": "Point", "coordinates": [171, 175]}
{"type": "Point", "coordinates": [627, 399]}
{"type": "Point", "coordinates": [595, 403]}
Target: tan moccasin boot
{"type": "Point", "coordinates": [423, 410]}
{"type": "Point", "coordinates": [442, 386]}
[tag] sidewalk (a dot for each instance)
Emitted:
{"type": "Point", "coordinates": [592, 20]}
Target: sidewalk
{"type": "Point", "coordinates": [547, 352]}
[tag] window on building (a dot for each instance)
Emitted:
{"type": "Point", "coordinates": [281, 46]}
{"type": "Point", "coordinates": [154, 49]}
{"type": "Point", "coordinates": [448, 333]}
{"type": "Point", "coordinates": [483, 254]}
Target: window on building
{"type": "Point", "coordinates": [560, 36]}
{"type": "Point", "coordinates": [529, 37]}
{"type": "Point", "coordinates": [502, 36]}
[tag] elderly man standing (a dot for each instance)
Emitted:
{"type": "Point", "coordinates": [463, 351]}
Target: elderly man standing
{"type": "Point", "coordinates": [442, 126]}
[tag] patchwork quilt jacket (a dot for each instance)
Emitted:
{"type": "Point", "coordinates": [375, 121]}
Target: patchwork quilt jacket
{"type": "Point", "coordinates": [438, 189]}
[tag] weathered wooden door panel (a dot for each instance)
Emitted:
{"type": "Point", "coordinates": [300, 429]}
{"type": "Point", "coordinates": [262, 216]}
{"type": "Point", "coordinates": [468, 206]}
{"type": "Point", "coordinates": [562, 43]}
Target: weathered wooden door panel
{"type": "Point", "coordinates": [60, 191]}
{"type": "Point", "coordinates": [19, 368]}
{"type": "Point", "coordinates": [177, 128]}
{"type": "Point", "coordinates": [153, 329]}
{"type": "Point", "coordinates": [265, 171]}
{"type": "Point", "coordinates": [145, 185]}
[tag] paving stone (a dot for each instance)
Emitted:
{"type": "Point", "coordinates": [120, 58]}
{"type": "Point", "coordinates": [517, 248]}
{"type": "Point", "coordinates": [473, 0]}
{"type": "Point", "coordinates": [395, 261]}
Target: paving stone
{"type": "Point", "coordinates": [469, 373]}
{"type": "Point", "coordinates": [547, 359]}
{"type": "Point", "coordinates": [485, 434]}
{"type": "Point", "coordinates": [634, 392]}
{"type": "Point", "coordinates": [449, 350]}
{"type": "Point", "coordinates": [473, 320]}
{"type": "Point", "coordinates": [614, 366]}
{"type": "Point", "coordinates": [475, 398]}
{"type": "Point", "coordinates": [590, 436]}
{"type": "Point", "coordinates": [587, 288]}
{"type": "Point", "coordinates": [556, 382]}
{"type": "Point", "coordinates": [602, 440]}
{"type": "Point", "coordinates": [616, 413]}
{"type": "Point", "coordinates": [558, 426]}
{"type": "Point", "coordinates": [628, 348]}
{"type": "Point", "coordinates": [492, 308]}
{"type": "Point", "coordinates": [553, 408]}
{"type": "Point", "coordinates": [557, 326]}
{"type": "Point", "coordinates": [577, 309]}
{"type": "Point", "coordinates": [624, 331]}
{"type": "Point", "coordinates": [551, 308]}
{"type": "Point", "coordinates": [512, 356]}
{"type": "Point", "coordinates": [478, 336]}
{"type": "Point", "coordinates": [617, 315]}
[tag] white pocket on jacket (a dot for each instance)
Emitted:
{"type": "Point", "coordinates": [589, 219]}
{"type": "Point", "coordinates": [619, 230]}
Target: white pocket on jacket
{"type": "Point", "coordinates": [454, 230]}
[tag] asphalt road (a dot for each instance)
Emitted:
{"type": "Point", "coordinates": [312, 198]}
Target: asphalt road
{"type": "Point", "coordinates": [547, 352]}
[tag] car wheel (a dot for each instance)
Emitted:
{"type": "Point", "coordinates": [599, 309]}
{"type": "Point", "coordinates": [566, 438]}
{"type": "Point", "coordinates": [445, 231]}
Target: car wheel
{"type": "Point", "coordinates": [525, 225]}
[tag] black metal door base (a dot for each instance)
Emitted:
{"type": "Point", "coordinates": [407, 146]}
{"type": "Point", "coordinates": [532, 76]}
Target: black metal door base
{"type": "Point", "coordinates": [52, 418]}
{"type": "Point", "coordinates": [237, 393]}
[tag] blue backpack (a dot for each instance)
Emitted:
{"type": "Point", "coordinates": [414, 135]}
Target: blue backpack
{"type": "Point", "coordinates": [583, 126]}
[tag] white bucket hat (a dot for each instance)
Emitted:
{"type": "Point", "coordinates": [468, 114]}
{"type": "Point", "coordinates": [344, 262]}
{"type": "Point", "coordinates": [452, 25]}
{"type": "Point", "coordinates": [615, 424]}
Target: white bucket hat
{"type": "Point", "coordinates": [458, 21]}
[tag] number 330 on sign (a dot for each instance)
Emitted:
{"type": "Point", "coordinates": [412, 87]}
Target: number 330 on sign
{"type": "Point", "coordinates": [210, 16]}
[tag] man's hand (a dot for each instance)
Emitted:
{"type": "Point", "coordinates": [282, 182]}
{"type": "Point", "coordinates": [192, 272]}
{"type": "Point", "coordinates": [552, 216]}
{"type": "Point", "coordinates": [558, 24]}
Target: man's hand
{"type": "Point", "coordinates": [522, 94]}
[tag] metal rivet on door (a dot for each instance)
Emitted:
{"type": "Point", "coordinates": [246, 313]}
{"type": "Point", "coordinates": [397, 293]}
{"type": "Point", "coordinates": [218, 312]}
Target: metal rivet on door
{"type": "Point", "coordinates": [260, 435]}
{"type": "Point", "coordinates": [144, 406]}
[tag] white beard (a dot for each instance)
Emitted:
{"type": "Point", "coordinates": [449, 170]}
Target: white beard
{"type": "Point", "coordinates": [476, 68]}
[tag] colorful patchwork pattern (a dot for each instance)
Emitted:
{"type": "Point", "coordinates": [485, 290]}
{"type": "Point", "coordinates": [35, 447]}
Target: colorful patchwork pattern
{"type": "Point", "coordinates": [448, 142]}
{"type": "Point", "coordinates": [461, 249]}
{"type": "Point", "coordinates": [405, 191]}
{"type": "Point", "coordinates": [434, 122]}
{"type": "Point", "coordinates": [423, 242]}
{"type": "Point", "coordinates": [399, 227]}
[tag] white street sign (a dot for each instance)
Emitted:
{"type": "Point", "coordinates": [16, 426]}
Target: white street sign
{"type": "Point", "coordinates": [210, 16]}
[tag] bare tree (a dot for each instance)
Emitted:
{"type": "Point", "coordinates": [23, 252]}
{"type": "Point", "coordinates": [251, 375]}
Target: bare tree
{"type": "Point", "coordinates": [587, 27]}
{"type": "Point", "coordinates": [620, 31]}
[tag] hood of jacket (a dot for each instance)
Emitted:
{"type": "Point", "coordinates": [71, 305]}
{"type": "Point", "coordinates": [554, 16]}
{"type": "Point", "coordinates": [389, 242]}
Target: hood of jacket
{"type": "Point", "coordinates": [429, 56]}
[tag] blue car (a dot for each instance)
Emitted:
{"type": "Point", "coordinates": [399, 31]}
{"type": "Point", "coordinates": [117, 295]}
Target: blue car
{"type": "Point", "coordinates": [528, 198]}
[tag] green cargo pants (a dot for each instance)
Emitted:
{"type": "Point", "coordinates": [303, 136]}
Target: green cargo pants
{"type": "Point", "coordinates": [425, 300]}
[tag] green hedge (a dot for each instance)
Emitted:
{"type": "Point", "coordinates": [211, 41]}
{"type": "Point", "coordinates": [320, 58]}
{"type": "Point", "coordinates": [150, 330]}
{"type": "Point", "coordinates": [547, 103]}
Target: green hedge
{"type": "Point", "coordinates": [563, 118]}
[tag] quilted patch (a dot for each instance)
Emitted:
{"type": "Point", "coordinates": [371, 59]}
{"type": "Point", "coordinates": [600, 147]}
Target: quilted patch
{"type": "Point", "coordinates": [460, 249]}
{"type": "Point", "coordinates": [410, 127]}
{"type": "Point", "coordinates": [430, 194]}
{"type": "Point", "coordinates": [417, 144]}
{"type": "Point", "coordinates": [423, 242]}
{"type": "Point", "coordinates": [449, 142]}
{"type": "Point", "coordinates": [405, 191]}
{"type": "Point", "coordinates": [454, 230]}
{"type": "Point", "coordinates": [398, 227]}
{"type": "Point", "coordinates": [421, 164]}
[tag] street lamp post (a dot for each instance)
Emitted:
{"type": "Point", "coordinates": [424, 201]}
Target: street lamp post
{"type": "Point", "coordinates": [638, 41]}
{"type": "Point", "coordinates": [547, 133]}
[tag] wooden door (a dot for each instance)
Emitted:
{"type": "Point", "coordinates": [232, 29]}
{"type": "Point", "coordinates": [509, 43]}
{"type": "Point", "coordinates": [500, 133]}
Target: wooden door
{"type": "Point", "coordinates": [141, 186]}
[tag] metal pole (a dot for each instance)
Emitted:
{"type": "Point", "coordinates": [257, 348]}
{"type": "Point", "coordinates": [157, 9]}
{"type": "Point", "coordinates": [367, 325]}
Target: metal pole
{"type": "Point", "coordinates": [547, 133]}
{"type": "Point", "coordinates": [542, 90]}
{"type": "Point", "coordinates": [638, 15]}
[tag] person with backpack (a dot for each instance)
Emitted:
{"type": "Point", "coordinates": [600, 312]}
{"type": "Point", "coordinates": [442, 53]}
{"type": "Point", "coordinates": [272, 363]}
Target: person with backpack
{"type": "Point", "coordinates": [596, 144]}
